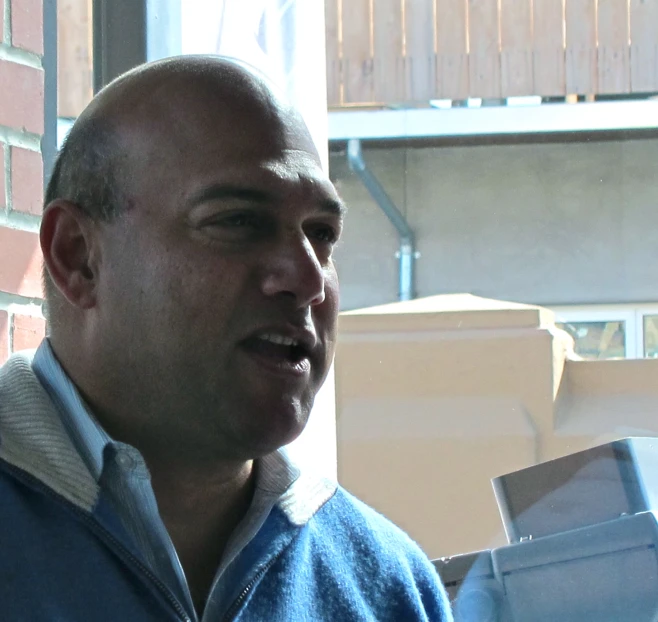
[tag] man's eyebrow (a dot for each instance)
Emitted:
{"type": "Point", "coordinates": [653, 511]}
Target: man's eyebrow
{"type": "Point", "coordinates": [334, 207]}
{"type": "Point", "coordinates": [228, 191]}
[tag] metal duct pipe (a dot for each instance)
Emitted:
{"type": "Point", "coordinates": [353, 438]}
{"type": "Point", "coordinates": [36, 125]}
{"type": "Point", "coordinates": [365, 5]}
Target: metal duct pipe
{"type": "Point", "coordinates": [407, 253]}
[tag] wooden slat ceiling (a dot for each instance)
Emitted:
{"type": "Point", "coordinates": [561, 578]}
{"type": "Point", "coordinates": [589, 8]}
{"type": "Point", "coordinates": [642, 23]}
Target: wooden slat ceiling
{"type": "Point", "coordinates": [411, 51]}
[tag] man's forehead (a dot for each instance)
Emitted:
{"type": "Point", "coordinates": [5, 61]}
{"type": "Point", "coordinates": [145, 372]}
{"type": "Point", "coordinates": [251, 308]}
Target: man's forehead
{"type": "Point", "coordinates": [203, 121]}
{"type": "Point", "coordinates": [188, 98]}
{"type": "Point", "coordinates": [220, 127]}
{"type": "Point", "coordinates": [296, 171]}
{"type": "Point", "coordinates": [295, 165]}
{"type": "Point", "coordinates": [279, 146]}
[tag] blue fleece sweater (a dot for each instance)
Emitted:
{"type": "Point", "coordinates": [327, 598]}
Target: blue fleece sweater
{"type": "Point", "coordinates": [64, 555]}
{"type": "Point", "coordinates": [349, 563]}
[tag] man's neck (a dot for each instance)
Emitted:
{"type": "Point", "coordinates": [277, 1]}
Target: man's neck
{"type": "Point", "coordinates": [200, 514]}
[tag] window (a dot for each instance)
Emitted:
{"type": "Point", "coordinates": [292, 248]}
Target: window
{"type": "Point", "coordinates": [611, 331]}
{"type": "Point", "coordinates": [650, 336]}
{"type": "Point", "coordinates": [598, 340]}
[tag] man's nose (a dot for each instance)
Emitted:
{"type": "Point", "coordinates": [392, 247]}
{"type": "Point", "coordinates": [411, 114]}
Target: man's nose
{"type": "Point", "coordinates": [293, 269]}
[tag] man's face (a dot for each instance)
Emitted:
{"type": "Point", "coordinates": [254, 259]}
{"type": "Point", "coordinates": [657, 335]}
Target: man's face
{"type": "Point", "coordinates": [218, 294]}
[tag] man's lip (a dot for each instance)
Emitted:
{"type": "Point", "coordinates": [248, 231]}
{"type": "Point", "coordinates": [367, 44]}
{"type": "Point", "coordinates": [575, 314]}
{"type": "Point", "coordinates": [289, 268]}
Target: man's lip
{"type": "Point", "coordinates": [305, 338]}
{"type": "Point", "coordinates": [281, 367]}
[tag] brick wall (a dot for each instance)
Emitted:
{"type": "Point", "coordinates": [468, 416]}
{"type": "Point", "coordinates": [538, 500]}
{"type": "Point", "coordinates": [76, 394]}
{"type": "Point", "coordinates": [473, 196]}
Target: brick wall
{"type": "Point", "coordinates": [21, 173]}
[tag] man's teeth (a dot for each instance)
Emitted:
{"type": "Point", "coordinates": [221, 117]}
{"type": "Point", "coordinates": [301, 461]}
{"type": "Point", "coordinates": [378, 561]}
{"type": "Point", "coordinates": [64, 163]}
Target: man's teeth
{"type": "Point", "coordinates": [279, 339]}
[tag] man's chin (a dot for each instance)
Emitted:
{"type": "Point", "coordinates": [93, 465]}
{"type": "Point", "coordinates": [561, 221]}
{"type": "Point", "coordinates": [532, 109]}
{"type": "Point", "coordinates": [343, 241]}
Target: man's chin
{"type": "Point", "coordinates": [275, 427]}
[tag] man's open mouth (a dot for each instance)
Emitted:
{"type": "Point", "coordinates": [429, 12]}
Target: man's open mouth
{"type": "Point", "coordinates": [281, 350]}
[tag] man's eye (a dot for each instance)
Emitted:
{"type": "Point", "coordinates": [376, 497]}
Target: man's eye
{"type": "Point", "coordinates": [325, 234]}
{"type": "Point", "coordinates": [239, 226]}
{"type": "Point", "coordinates": [237, 220]}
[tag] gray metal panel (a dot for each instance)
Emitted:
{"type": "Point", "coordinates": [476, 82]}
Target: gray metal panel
{"type": "Point", "coordinates": [119, 39]}
{"type": "Point", "coordinates": [607, 572]}
{"type": "Point", "coordinates": [494, 120]}
{"type": "Point", "coordinates": [127, 34]}
{"type": "Point", "coordinates": [584, 488]}
{"type": "Point", "coordinates": [49, 140]}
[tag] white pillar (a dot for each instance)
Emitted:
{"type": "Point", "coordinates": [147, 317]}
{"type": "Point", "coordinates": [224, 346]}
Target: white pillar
{"type": "Point", "coordinates": [285, 39]}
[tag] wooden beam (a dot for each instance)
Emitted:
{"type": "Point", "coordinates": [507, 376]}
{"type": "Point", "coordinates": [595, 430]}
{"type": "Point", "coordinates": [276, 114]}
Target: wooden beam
{"type": "Point", "coordinates": [452, 74]}
{"type": "Point", "coordinates": [516, 47]}
{"type": "Point", "coordinates": [331, 18]}
{"type": "Point", "coordinates": [644, 46]}
{"type": "Point", "coordinates": [420, 58]}
{"type": "Point", "coordinates": [614, 73]}
{"type": "Point", "coordinates": [388, 61]}
{"type": "Point", "coordinates": [357, 57]}
{"type": "Point", "coordinates": [548, 43]}
{"type": "Point", "coordinates": [74, 57]}
{"type": "Point", "coordinates": [484, 59]}
{"type": "Point", "coordinates": [581, 53]}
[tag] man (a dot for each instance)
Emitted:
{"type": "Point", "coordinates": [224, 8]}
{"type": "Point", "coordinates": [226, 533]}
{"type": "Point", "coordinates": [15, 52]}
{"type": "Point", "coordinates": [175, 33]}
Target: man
{"type": "Point", "coordinates": [187, 237]}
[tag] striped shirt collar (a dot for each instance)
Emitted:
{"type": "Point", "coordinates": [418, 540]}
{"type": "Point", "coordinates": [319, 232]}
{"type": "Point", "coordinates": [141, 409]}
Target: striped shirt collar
{"type": "Point", "coordinates": [87, 435]}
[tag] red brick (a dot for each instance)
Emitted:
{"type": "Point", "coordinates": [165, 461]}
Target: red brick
{"type": "Point", "coordinates": [4, 335]}
{"type": "Point", "coordinates": [2, 176]}
{"type": "Point", "coordinates": [20, 263]}
{"type": "Point", "coordinates": [28, 332]}
{"type": "Point", "coordinates": [27, 25]}
{"type": "Point", "coordinates": [21, 97]}
{"type": "Point", "coordinates": [26, 181]}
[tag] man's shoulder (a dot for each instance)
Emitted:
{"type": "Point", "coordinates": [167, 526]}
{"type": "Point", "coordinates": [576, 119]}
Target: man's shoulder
{"type": "Point", "coordinates": [16, 374]}
{"type": "Point", "coordinates": [33, 438]}
{"type": "Point", "coordinates": [20, 388]}
{"type": "Point", "coordinates": [18, 383]}
{"type": "Point", "coordinates": [365, 531]}
{"type": "Point", "coordinates": [354, 513]}
{"type": "Point", "coordinates": [370, 552]}
{"type": "Point", "coordinates": [18, 362]}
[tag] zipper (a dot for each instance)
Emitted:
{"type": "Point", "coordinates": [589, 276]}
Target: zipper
{"type": "Point", "coordinates": [108, 538]}
{"type": "Point", "coordinates": [235, 607]}
{"type": "Point", "coordinates": [145, 570]}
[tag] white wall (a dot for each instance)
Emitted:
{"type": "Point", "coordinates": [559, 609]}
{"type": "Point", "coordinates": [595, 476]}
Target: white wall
{"type": "Point", "coordinates": [551, 224]}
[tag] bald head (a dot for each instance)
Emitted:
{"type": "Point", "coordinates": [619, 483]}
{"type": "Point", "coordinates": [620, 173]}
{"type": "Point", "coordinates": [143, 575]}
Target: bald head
{"type": "Point", "coordinates": [173, 82]}
{"type": "Point", "coordinates": [188, 220]}
{"type": "Point", "coordinates": [138, 124]}
{"type": "Point", "coordinates": [169, 99]}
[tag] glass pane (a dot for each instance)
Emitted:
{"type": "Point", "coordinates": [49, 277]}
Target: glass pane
{"type": "Point", "coordinates": [598, 340]}
{"type": "Point", "coordinates": [650, 336]}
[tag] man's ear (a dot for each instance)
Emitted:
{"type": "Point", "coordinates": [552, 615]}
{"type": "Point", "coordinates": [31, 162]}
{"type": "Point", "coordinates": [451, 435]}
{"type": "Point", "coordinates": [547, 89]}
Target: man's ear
{"type": "Point", "coordinates": [68, 245]}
